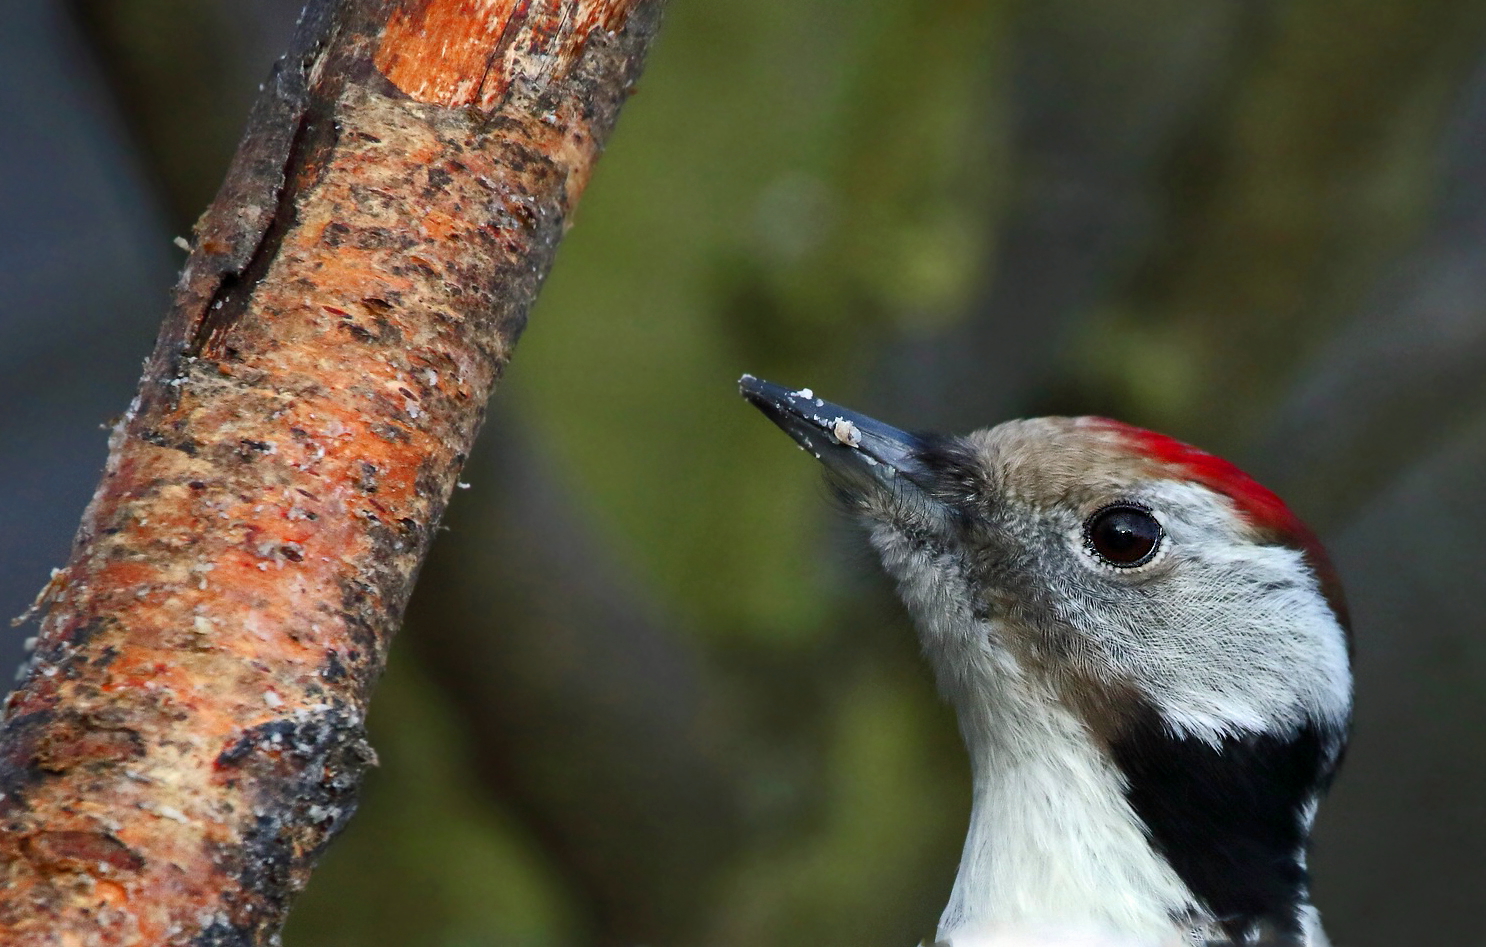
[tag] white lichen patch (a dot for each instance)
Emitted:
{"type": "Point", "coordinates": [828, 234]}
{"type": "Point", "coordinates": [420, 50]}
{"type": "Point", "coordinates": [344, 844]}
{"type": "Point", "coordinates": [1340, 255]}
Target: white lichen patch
{"type": "Point", "coordinates": [167, 812]}
{"type": "Point", "coordinates": [846, 432]}
{"type": "Point", "coordinates": [805, 393]}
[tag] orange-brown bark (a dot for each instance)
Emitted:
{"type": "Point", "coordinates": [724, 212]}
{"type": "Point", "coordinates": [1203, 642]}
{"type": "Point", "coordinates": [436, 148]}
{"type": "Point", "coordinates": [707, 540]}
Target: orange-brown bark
{"type": "Point", "coordinates": [189, 733]}
{"type": "Point", "coordinates": [440, 52]}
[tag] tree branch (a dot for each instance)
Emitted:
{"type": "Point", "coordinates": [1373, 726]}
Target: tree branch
{"type": "Point", "coordinates": [189, 733]}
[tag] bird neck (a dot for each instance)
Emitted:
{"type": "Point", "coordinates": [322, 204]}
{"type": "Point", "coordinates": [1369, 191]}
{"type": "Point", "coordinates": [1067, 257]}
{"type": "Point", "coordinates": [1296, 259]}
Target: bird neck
{"type": "Point", "coordinates": [1062, 845]}
{"type": "Point", "coordinates": [1054, 848]}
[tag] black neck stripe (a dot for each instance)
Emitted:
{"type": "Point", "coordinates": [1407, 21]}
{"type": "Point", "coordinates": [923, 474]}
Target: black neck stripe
{"type": "Point", "coordinates": [1230, 818]}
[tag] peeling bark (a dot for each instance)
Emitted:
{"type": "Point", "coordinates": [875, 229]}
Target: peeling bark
{"type": "Point", "coordinates": [189, 734]}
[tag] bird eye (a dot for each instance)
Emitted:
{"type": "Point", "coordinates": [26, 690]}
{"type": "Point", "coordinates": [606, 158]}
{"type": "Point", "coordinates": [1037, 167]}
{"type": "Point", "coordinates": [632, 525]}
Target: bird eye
{"type": "Point", "coordinates": [1123, 535]}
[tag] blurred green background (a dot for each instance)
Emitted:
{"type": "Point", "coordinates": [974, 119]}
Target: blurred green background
{"type": "Point", "coordinates": [652, 689]}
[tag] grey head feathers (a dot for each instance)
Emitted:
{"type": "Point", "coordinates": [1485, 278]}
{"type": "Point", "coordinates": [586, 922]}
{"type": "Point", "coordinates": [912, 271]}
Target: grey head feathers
{"type": "Point", "coordinates": [1148, 656]}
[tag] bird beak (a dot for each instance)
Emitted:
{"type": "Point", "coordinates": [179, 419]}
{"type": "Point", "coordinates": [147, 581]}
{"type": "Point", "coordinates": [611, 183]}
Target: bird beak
{"type": "Point", "coordinates": [849, 444]}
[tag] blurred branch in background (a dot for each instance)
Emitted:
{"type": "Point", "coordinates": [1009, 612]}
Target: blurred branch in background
{"type": "Point", "coordinates": [184, 75]}
{"type": "Point", "coordinates": [1289, 192]}
{"type": "Point", "coordinates": [1403, 376]}
{"type": "Point", "coordinates": [585, 706]}
{"type": "Point", "coordinates": [1103, 100]}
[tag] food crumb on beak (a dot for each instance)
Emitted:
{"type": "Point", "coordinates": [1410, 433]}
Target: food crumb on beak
{"type": "Point", "coordinates": [846, 432]}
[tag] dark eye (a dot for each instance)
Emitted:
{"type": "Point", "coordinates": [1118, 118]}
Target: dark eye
{"type": "Point", "coordinates": [1123, 535]}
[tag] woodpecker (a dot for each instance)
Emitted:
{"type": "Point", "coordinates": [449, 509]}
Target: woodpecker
{"type": "Point", "coordinates": [1149, 658]}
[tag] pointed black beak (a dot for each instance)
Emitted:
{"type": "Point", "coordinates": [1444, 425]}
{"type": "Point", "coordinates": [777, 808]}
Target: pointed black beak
{"type": "Point", "coordinates": [848, 443]}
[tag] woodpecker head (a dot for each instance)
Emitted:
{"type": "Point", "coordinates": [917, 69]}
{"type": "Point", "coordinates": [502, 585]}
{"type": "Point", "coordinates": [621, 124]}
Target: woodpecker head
{"type": "Point", "coordinates": [1148, 656]}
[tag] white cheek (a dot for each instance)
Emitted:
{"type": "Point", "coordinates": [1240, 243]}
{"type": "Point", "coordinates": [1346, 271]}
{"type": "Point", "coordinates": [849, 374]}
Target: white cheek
{"type": "Point", "coordinates": [1226, 635]}
{"type": "Point", "coordinates": [1250, 658]}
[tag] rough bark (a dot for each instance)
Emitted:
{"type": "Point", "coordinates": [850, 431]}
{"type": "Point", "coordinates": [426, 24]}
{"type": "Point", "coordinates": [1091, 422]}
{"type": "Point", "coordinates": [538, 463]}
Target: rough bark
{"type": "Point", "coordinates": [188, 735]}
